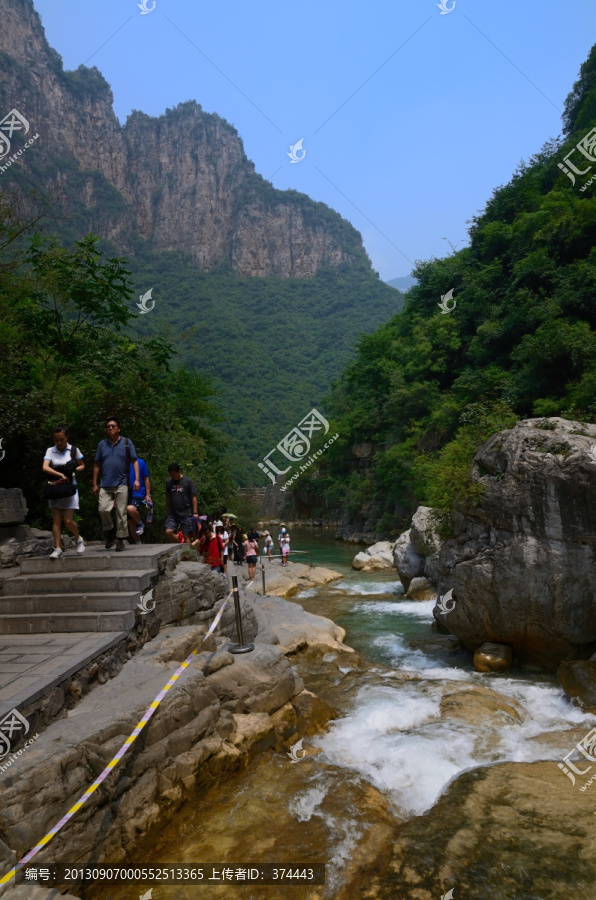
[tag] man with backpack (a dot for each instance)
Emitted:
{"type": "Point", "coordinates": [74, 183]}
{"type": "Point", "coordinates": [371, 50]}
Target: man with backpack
{"type": "Point", "coordinates": [113, 458]}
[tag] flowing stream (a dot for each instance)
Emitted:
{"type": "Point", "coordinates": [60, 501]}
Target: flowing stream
{"type": "Point", "coordinates": [408, 722]}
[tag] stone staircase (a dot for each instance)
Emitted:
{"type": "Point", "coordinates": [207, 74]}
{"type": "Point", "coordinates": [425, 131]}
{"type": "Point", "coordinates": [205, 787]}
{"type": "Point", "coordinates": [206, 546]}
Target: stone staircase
{"type": "Point", "coordinates": [94, 591]}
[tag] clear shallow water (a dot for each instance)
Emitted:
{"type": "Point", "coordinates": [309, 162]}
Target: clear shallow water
{"type": "Point", "coordinates": [408, 723]}
{"type": "Point", "coordinates": [400, 735]}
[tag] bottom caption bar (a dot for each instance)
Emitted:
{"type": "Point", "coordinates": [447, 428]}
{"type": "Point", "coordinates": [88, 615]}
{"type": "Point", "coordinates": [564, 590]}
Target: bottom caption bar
{"type": "Point", "coordinates": [174, 873]}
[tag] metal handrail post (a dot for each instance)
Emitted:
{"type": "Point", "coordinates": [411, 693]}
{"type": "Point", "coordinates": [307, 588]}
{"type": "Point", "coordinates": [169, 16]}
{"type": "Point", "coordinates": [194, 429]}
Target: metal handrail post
{"type": "Point", "coordinates": [240, 647]}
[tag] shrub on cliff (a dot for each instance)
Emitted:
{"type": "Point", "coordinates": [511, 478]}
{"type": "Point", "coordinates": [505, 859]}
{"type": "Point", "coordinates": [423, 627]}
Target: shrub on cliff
{"type": "Point", "coordinates": [521, 341]}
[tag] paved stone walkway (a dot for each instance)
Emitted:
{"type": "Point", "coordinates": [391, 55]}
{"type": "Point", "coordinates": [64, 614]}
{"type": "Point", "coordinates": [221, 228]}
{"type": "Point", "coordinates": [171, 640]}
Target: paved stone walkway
{"type": "Point", "coordinates": [33, 664]}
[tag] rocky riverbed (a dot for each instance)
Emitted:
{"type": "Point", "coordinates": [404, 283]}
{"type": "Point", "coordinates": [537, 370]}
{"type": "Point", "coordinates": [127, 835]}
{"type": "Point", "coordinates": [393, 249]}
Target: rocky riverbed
{"type": "Point", "coordinates": [223, 709]}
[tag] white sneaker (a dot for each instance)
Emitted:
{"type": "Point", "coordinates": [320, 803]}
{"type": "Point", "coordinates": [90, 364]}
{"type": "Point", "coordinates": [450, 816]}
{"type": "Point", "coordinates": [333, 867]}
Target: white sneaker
{"type": "Point", "coordinates": [80, 545]}
{"type": "Point", "coordinates": [56, 554]}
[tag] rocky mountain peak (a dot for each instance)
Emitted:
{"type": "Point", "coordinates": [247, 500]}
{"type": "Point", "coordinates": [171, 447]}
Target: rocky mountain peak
{"type": "Point", "coordinates": [182, 180]}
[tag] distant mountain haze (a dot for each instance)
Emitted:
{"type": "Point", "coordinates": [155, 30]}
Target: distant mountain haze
{"type": "Point", "coordinates": [263, 290]}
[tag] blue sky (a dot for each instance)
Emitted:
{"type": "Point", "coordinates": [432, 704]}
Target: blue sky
{"type": "Point", "coordinates": [409, 117]}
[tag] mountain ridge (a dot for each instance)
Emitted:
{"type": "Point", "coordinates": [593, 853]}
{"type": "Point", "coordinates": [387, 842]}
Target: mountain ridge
{"type": "Point", "coordinates": [184, 180]}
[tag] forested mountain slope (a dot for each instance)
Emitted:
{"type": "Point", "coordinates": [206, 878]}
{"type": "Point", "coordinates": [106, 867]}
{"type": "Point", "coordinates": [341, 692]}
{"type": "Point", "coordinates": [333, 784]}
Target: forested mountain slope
{"type": "Point", "coordinates": [427, 387]}
{"type": "Point", "coordinates": [263, 290]}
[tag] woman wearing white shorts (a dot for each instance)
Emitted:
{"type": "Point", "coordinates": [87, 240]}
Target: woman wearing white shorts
{"type": "Point", "coordinates": [63, 509]}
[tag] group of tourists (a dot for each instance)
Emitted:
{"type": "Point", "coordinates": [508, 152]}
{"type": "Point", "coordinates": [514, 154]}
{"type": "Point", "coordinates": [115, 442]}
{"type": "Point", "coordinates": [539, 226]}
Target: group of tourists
{"type": "Point", "coordinates": [122, 486]}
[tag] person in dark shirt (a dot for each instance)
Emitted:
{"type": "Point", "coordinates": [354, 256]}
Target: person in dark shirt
{"type": "Point", "coordinates": [181, 505]}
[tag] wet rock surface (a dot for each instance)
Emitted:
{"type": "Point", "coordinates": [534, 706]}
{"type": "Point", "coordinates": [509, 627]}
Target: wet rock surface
{"type": "Point", "coordinates": [420, 589]}
{"type": "Point", "coordinates": [515, 831]}
{"type": "Point", "coordinates": [493, 658]}
{"type": "Point", "coordinates": [218, 714]}
{"type": "Point", "coordinates": [578, 678]}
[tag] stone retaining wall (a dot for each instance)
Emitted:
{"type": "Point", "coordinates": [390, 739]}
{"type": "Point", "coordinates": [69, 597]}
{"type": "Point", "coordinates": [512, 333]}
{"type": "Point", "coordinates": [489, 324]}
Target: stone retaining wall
{"type": "Point", "coordinates": [204, 728]}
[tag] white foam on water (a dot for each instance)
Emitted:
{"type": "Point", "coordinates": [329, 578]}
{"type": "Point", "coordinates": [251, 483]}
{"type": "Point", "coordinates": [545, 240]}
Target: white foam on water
{"type": "Point", "coordinates": [329, 657]}
{"type": "Point", "coordinates": [307, 592]}
{"type": "Point", "coordinates": [396, 739]}
{"type": "Point", "coordinates": [304, 805]}
{"type": "Point", "coordinates": [368, 587]}
{"type": "Point", "coordinates": [343, 850]}
{"type": "Point", "coordinates": [391, 742]}
{"type": "Point", "coordinates": [421, 609]}
{"type": "Point", "coordinates": [408, 660]}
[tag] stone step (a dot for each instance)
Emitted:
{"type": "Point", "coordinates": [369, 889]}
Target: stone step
{"type": "Point", "coordinates": [26, 604]}
{"type": "Point", "coordinates": [112, 581]}
{"type": "Point", "coordinates": [44, 623]}
{"type": "Point", "coordinates": [95, 560]}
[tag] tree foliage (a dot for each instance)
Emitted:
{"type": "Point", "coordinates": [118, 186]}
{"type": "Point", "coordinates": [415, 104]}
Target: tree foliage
{"type": "Point", "coordinates": [68, 357]}
{"type": "Point", "coordinates": [427, 388]}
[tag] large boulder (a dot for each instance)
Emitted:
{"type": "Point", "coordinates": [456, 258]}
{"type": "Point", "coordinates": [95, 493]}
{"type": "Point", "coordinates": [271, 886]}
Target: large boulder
{"type": "Point", "coordinates": [578, 678]}
{"type": "Point", "coordinates": [379, 556]}
{"type": "Point", "coordinates": [422, 532]}
{"type": "Point", "coordinates": [420, 589]}
{"type": "Point", "coordinates": [522, 562]}
{"type": "Point", "coordinates": [408, 563]}
{"type": "Point", "coordinates": [493, 658]}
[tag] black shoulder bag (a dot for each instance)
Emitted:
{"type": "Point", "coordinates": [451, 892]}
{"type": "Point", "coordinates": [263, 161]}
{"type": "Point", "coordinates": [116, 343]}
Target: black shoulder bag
{"type": "Point", "coordinates": [63, 489]}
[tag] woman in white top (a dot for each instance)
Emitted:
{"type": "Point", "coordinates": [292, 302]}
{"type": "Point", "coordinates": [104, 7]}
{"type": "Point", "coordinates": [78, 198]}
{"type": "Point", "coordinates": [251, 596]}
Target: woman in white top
{"type": "Point", "coordinates": [63, 509]}
{"type": "Point", "coordinates": [268, 548]}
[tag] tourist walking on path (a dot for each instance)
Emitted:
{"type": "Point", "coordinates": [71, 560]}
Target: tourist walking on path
{"type": "Point", "coordinates": [284, 545]}
{"type": "Point", "coordinates": [251, 549]}
{"type": "Point", "coordinates": [238, 547]}
{"type": "Point", "coordinates": [181, 505]}
{"type": "Point", "coordinates": [211, 546]}
{"type": "Point", "coordinates": [139, 498]}
{"type": "Point", "coordinates": [60, 463]}
{"type": "Point", "coordinates": [113, 458]}
{"type": "Point", "coordinates": [268, 548]}
{"type": "Point", "coordinates": [220, 529]}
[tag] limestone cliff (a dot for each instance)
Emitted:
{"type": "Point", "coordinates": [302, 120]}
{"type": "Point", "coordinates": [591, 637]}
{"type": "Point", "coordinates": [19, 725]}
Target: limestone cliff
{"type": "Point", "coordinates": [182, 181]}
{"type": "Point", "coordinates": [522, 564]}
